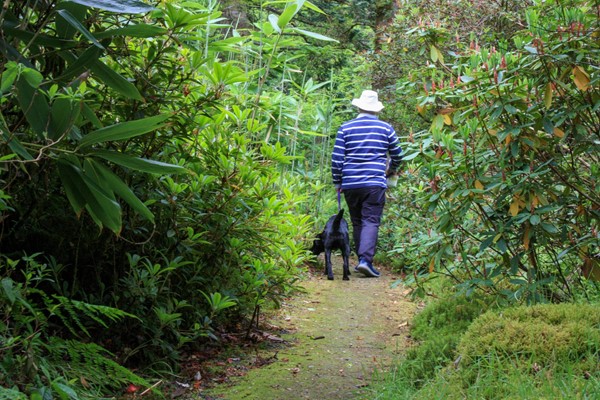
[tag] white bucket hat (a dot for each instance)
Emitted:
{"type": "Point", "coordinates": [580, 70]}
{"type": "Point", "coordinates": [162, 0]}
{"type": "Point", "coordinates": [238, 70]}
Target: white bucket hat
{"type": "Point", "coordinates": [368, 101]}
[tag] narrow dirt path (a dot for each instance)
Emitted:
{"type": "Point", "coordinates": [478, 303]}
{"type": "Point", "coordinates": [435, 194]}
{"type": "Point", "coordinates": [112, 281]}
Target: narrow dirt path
{"type": "Point", "coordinates": [341, 333]}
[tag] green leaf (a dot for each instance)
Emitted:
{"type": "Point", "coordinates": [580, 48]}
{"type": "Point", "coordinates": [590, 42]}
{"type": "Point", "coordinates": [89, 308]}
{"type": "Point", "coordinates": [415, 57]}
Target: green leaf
{"type": "Point", "coordinates": [313, 7]}
{"type": "Point", "coordinates": [121, 189]}
{"type": "Point", "coordinates": [137, 30]}
{"type": "Point", "coordinates": [535, 219]}
{"type": "Point", "coordinates": [64, 391]}
{"type": "Point", "coordinates": [549, 227]}
{"type": "Point", "coordinates": [124, 130]}
{"type": "Point", "coordinates": [8, 287]}
{"type": "Point", "coordinates": [501, 244]}
{"type": "Point", "coordinates": [115, 81]}
{"type": "Point", "coordinates": [71, 181]}
{"type": "Point", "coordinates": [85, 191]}
{"type": "Point", "coordinates": [314, 35]}
{"type": "Point", "coordinates": [548, 125]}
{"type": "Point", "coordinates": [33, 77]}
{"type": "Point", "coordinates": [34, 105]}
{"type": "Point", "coordinates": [274, 22]}
{"type": "Point", "coordinates": [8, 76]}
{"type": "Point", "coordinates": [64, 28]}
{"type": "Point", "coordinates": [63, 114]}
{"type": "Point", "coordinates": [77, 64]}
{"type": "Point", "coordinates": [90, 116]}
{"type": "Point", "coordinates": [410, 156]}
{"type": "Point", "coordinates": [433, 53]}
{"type": "Point", "coordinates": [16, 146]}
{"type": "Point", "coordinates": [511, 109]}
{"type": "Point", "coordinates": [139, 164]}
{"type": "Point", "coordinates": [11, 29]}
{"type": "Point", "coordinates": [117, 6]}
{"type": "Point", "coordinates": [79, 27]}
{"type": "Point", "coordinates": [437, 123]}
{"type": "Point", "coordinates": [103, 205]}
{"type": "Point", "coordinates": [288, 13]}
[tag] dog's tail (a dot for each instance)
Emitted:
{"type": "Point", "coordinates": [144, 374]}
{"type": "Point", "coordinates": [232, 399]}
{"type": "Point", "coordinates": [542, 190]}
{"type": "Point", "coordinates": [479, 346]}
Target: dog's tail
{"type": "Point", "coordinates": [337, 220]}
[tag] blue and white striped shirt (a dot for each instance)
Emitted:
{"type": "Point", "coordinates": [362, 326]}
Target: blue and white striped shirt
{"type": "Point", "coordinates": [359, 157]}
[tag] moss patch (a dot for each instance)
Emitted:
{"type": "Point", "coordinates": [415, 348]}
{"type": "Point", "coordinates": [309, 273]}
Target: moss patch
{"type": "Point", "coordinates": [547, 333]}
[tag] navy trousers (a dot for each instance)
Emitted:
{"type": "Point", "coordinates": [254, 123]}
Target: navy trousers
{"type": "Point", "coordinates": [366, 207]}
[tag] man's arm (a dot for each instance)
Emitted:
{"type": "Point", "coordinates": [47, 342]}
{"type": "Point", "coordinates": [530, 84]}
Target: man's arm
{"type": "Point", "coordinates": [395, 152]}
{"type": "Point", "coordinates": [337, 158]}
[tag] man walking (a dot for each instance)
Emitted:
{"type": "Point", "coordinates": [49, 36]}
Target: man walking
{"type": "Point", "coordinates": [359, 167]}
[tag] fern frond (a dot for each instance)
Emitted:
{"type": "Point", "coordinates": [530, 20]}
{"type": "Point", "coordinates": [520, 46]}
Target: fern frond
{"type": "Point", "coordinates": [91, 363]}
{"type": "Point", "coordinates": [11, 394]}
{"type": "Point", "coordinates": [76, 309]}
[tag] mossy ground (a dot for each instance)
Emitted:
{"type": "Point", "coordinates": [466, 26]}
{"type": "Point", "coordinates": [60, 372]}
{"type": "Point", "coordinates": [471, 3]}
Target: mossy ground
{"type": "Point", "coordinates": [341, 335]}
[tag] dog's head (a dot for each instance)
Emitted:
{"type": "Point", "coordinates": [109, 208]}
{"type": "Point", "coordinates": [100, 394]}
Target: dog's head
{"type": "Point", "coordinates": [318, 246]}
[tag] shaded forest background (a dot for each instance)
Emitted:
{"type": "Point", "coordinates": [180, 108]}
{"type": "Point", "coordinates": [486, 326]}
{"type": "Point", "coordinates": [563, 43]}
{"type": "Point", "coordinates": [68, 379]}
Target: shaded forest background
{"type": "Point", "coordinates": [163, 165]}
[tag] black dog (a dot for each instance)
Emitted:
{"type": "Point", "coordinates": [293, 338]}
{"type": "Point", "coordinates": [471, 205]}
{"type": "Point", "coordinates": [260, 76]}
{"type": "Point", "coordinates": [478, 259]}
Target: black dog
{"type": "Point", "coordinates": [335, 236]}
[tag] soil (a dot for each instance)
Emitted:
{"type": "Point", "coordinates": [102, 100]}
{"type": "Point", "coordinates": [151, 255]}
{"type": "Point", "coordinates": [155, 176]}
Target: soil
{"type": "Point", "coordinates": [335, 340]}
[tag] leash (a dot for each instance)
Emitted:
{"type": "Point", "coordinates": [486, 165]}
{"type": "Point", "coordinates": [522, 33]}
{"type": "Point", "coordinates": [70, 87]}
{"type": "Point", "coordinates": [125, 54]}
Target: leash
{"type": "Point", "coordinates": [339, 196]}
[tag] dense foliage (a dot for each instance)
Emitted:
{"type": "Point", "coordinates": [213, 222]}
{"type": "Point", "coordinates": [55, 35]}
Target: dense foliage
{"type": "Point", "coordinates": [506, 176]}
{"type": "Point", "coordinates": [147, 196]}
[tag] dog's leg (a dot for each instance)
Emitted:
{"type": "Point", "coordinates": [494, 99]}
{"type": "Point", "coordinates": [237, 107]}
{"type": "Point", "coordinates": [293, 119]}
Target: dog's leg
{"type": "Point", "coordinates": [346, 255]}
{"type": "Point", "coordinates": [328, 267]}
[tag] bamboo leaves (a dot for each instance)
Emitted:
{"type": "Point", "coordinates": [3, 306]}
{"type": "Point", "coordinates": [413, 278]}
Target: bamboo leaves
{"type": "Point", "coordinates": [281, 22]}
{"type": "Point", "coordinates": [314, 35]}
